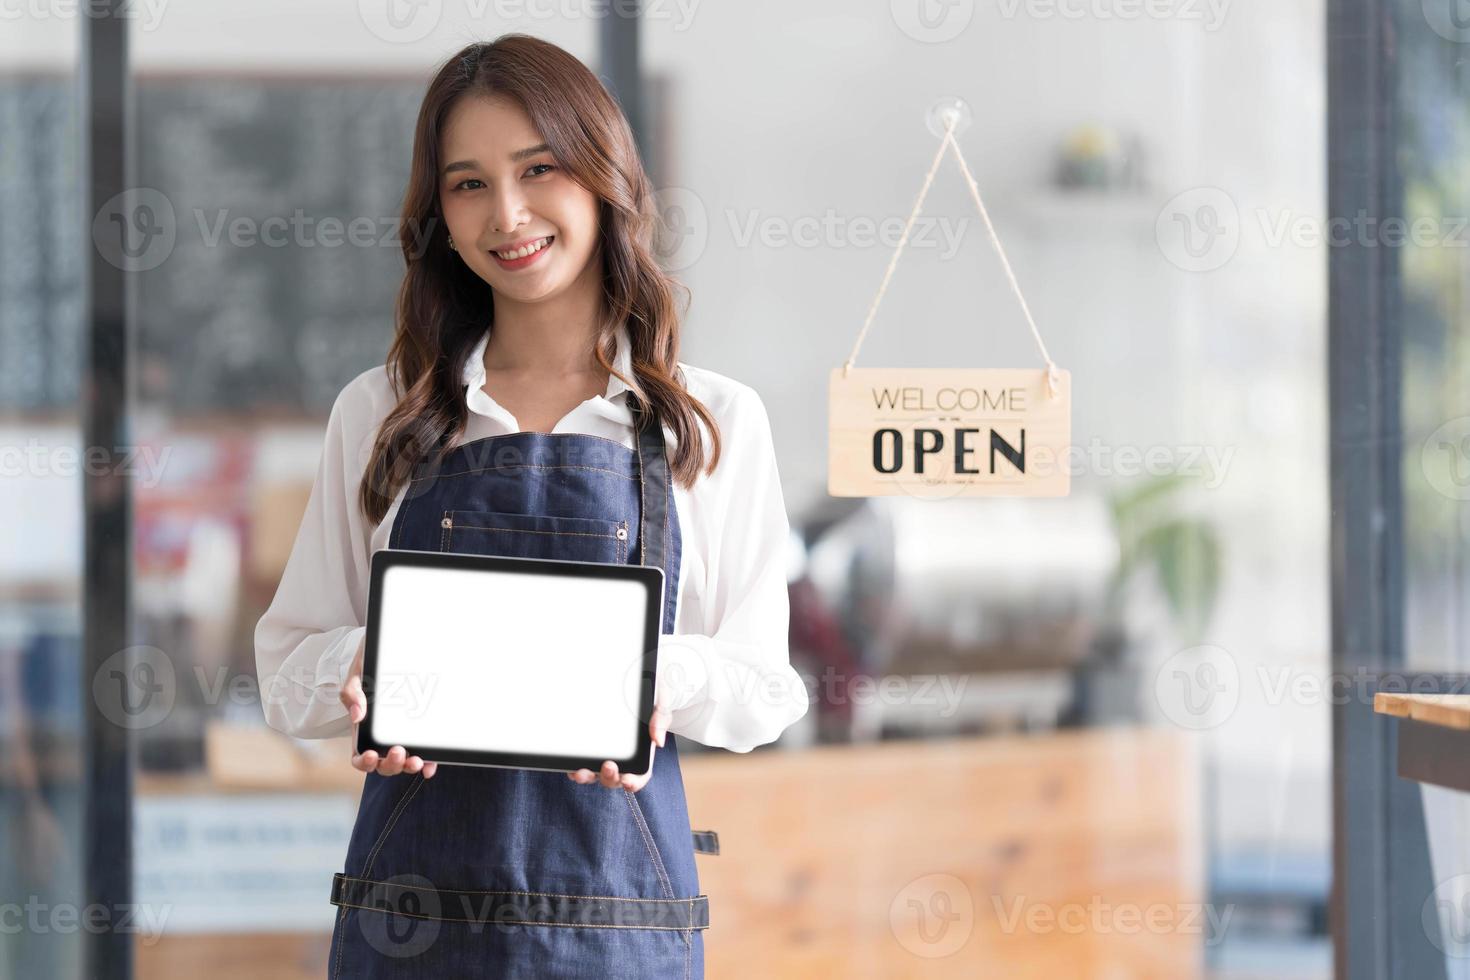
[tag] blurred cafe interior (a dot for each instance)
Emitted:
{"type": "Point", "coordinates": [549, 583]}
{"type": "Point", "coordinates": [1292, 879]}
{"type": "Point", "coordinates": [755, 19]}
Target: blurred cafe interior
{"type": "Point", "coordinates": [1134, 731]}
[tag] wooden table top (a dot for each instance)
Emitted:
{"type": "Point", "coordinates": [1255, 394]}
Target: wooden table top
{"type": "Point", "coordinates": [1448, 710]}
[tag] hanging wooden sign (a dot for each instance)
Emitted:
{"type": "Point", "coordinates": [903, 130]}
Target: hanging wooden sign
{"type": "Point", "coordinates": [949, 432]}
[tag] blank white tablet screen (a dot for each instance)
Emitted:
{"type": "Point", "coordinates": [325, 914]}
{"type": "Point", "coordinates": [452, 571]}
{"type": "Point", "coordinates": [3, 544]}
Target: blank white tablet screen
{"type": "Point", "coordinates": [507, 661]}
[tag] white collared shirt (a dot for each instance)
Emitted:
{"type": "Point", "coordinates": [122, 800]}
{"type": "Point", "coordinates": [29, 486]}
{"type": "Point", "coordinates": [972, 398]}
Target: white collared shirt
{"type": "Point", "coordinates": [725, 671]}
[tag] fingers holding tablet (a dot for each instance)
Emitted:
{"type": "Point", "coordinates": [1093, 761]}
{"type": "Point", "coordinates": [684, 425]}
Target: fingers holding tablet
{"type": "Point", "coordinates": [609, 776]}
{"type": "Point", "coordinates": [397, 760]}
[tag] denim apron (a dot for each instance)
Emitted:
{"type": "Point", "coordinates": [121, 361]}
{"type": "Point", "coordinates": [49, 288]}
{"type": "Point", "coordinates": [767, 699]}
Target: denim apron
{"type": "Point", "coordinates": [485, 872]}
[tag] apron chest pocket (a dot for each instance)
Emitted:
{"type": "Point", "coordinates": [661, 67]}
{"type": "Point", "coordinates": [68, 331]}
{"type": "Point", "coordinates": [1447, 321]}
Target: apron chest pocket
{"type": "Point", "coordinates": [487, 532]}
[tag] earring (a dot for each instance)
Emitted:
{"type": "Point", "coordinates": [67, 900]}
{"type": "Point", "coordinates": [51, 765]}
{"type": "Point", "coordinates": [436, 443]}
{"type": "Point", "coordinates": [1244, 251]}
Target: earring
{"type": "Point", "coordinates": [451, 243]}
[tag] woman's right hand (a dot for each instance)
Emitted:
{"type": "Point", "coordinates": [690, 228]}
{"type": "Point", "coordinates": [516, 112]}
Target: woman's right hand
{"type": "Point", "coordinates": [397, 760]}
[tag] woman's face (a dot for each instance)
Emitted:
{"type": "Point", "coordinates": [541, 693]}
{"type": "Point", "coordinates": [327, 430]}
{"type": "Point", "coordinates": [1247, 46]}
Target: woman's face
{"type": "Point", "coordinates": [500, 188]}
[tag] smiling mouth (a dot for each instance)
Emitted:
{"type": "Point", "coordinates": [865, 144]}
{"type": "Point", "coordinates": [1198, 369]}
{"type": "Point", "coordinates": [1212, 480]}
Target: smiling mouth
{"type": "Point", "coordinates": [540, 245]}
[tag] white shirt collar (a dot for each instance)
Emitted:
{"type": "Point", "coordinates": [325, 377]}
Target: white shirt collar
{"type": "Point", "coordinates": [480, 400]}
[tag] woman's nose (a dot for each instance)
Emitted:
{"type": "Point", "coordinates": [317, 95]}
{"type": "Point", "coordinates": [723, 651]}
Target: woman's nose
{"type": "Point", "coordinates": [509, 211]}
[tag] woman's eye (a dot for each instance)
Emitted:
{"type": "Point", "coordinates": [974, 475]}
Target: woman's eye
{"type": "Point", "coordinates": [472, 180]}
{"type": "Point", "coordinates": [542, 167]}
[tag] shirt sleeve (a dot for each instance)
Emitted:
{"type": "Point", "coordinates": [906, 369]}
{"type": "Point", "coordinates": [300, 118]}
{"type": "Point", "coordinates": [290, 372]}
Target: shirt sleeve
{"type": "Point", "coordinates": [735, 688]}
{"type": "Point", "coordinates": [307, 639]}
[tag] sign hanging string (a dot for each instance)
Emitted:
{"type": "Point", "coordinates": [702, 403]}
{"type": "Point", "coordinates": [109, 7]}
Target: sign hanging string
{"type": "Point", "coordinates": [949, 143]}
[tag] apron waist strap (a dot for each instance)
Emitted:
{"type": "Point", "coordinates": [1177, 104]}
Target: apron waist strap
{"type": "Point", "coordinates": [520, 908]}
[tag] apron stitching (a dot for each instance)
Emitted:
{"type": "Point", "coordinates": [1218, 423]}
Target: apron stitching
{"type": "Point", "coordinates": [341, 941]}
{"type": "Point", "coordinates": [393, 820]}
{"type": "Point", "coordinates": [510, 891]}
{"type": "Point", "coordinates": [658, 864]}
{"type": "Point", "coordinates": [642, 504]}
{"type": "Point", "coordinates": [518, 922]}
{"type": "Point", "coordinates": [669, 519]}
{"type": "Point", "coordinates": [531, 530]}
{"type": "Point", "coordinates": [652, 846]}
{"type": "Point", "coordinates": [521, 466]}
{"type": "Point", "coordinates": [502, 435]}
{"type": "Point", "coordinates": [401, 521]}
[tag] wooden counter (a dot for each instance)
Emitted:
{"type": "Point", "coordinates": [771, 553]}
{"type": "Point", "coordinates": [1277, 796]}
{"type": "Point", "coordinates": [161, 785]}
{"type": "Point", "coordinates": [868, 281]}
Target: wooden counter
{"type": "Point", "coordinates": [1433, 736]}
{"type": "Point", "coordinates": [1054, 855]}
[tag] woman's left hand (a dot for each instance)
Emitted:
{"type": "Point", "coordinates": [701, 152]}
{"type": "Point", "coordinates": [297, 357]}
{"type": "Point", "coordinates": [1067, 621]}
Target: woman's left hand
{"type": "Point", "coordinates": [609, 776]}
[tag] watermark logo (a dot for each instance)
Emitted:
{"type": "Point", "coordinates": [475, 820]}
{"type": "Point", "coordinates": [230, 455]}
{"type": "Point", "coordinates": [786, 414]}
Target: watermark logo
{"type": "Point", "coordinates": [1198, 687]}
{"type": "Point", "coordinates": [39, 918]}
{"type": "Point", "coordinates": [1445, 917]}
{"type": "Point", "coordinates": [1199, 230]}
{"type": "Point", "coordinates": [1209, 14]}
{"type": "Point", "coordinates": [676, 15]}
{"type": "Point", "coordinates": [831, 230]}
{"type": "Point", "coordinates": [400, 21]}
{"type": "Point", "coordinates": [1100, 917]}
{"type": "Point", "coordinates": [148, 14]}
{"type": "Point", "coordinates": [932, 916]}
{"type": "Point", "coordinates": [135, 688]}
{"type": "Point", "coordinates": [135, 230]}
{"type": "Point", "coordinates": [1445, 458]}
{"type": "Point", "coordinates": [682, 230]}
{"type": "Point", "coordinates": [932, 21]}
{"type": "Point", "coordinates": [410, 922]}
{"type": "Point", "coordinates": [1450, 19]}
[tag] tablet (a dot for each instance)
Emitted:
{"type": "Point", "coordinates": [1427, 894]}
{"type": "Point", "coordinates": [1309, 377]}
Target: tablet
{"type": "Point", "coordinates": [524, 663]}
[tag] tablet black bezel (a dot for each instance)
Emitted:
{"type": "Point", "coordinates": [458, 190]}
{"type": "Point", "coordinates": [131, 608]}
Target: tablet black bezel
{"type": "Point", "coordinates": [652, 578]}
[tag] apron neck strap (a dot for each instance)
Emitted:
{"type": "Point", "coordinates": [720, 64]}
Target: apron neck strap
{"type": "Point", "coordinates": [653, 485]}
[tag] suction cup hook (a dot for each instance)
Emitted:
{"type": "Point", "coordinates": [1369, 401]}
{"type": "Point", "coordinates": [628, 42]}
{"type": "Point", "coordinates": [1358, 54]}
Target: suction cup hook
{"type": "Point", "coordinates": [941, 112]}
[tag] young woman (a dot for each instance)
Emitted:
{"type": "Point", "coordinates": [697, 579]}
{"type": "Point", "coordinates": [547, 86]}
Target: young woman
{"type": "Point", "coordinates": [534, 325]}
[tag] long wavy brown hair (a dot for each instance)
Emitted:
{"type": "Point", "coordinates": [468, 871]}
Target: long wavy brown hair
{"type": "Point", "coordinates": [443, 307]}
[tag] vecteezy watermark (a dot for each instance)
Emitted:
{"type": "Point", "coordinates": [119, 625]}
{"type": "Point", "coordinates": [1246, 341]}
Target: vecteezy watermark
{"type": "Point", "coordinates": [676, 15]}
{"type": "Point", "coordinates": [682, 229]}
{"type": "Point", "coordinates": [946, 458]}
{"type": "Point", "coordinates": [412, 923]}
{"type": "Point", "coordinates": [932, 916]}
{"type": "Point", "coordinates": [138, 230]}
{"type": "Point", "coordinates": [1445, 917]}
{"type": "Point", "coordinates": [1200, 687]}
{"type": "Point", "coordinates": [305, 231]}
{"type": "Point", "coordinates": [932, 21]}
{"type": "Point", "coordinates": [136, 687]}
{"type": "Point", "coordinates": [1444, 458]}
{"type": "Point", "coordinates": [1210, 14]}
{"type": "Point", "coordinates": [143, 465]}
{"type": "Point", "coordinates": [1311, 231]}
{"type": "Point", "coordinates": [1210, 464]}
{"type": "Point", "coordinates": [139, 687]}
{"type": "Point", "coordinates": [832, 230]}
{"type": "Point", "coordinates": [38, 917]}
{"type": "Point", "coordinates": [682, 673]}
{"type": "Point", "coordinates": [1098, 917]}
{"type": "Point", "coordinates": [400, 21]}
{"type": "Point", "coordinates": [1200, 230]}
{"type": "Point", "coordinates": [1450, 19]}
{"type": "Point", "coordinates": [147, 13]}
{"type": "Point", "coordinates": [407, 21]}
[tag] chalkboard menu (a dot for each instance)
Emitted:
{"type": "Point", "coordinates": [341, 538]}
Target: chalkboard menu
{"type": "Point", "coordinates": [41, 230]}
{"type": "Point", "coordinates": [281, 196]}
